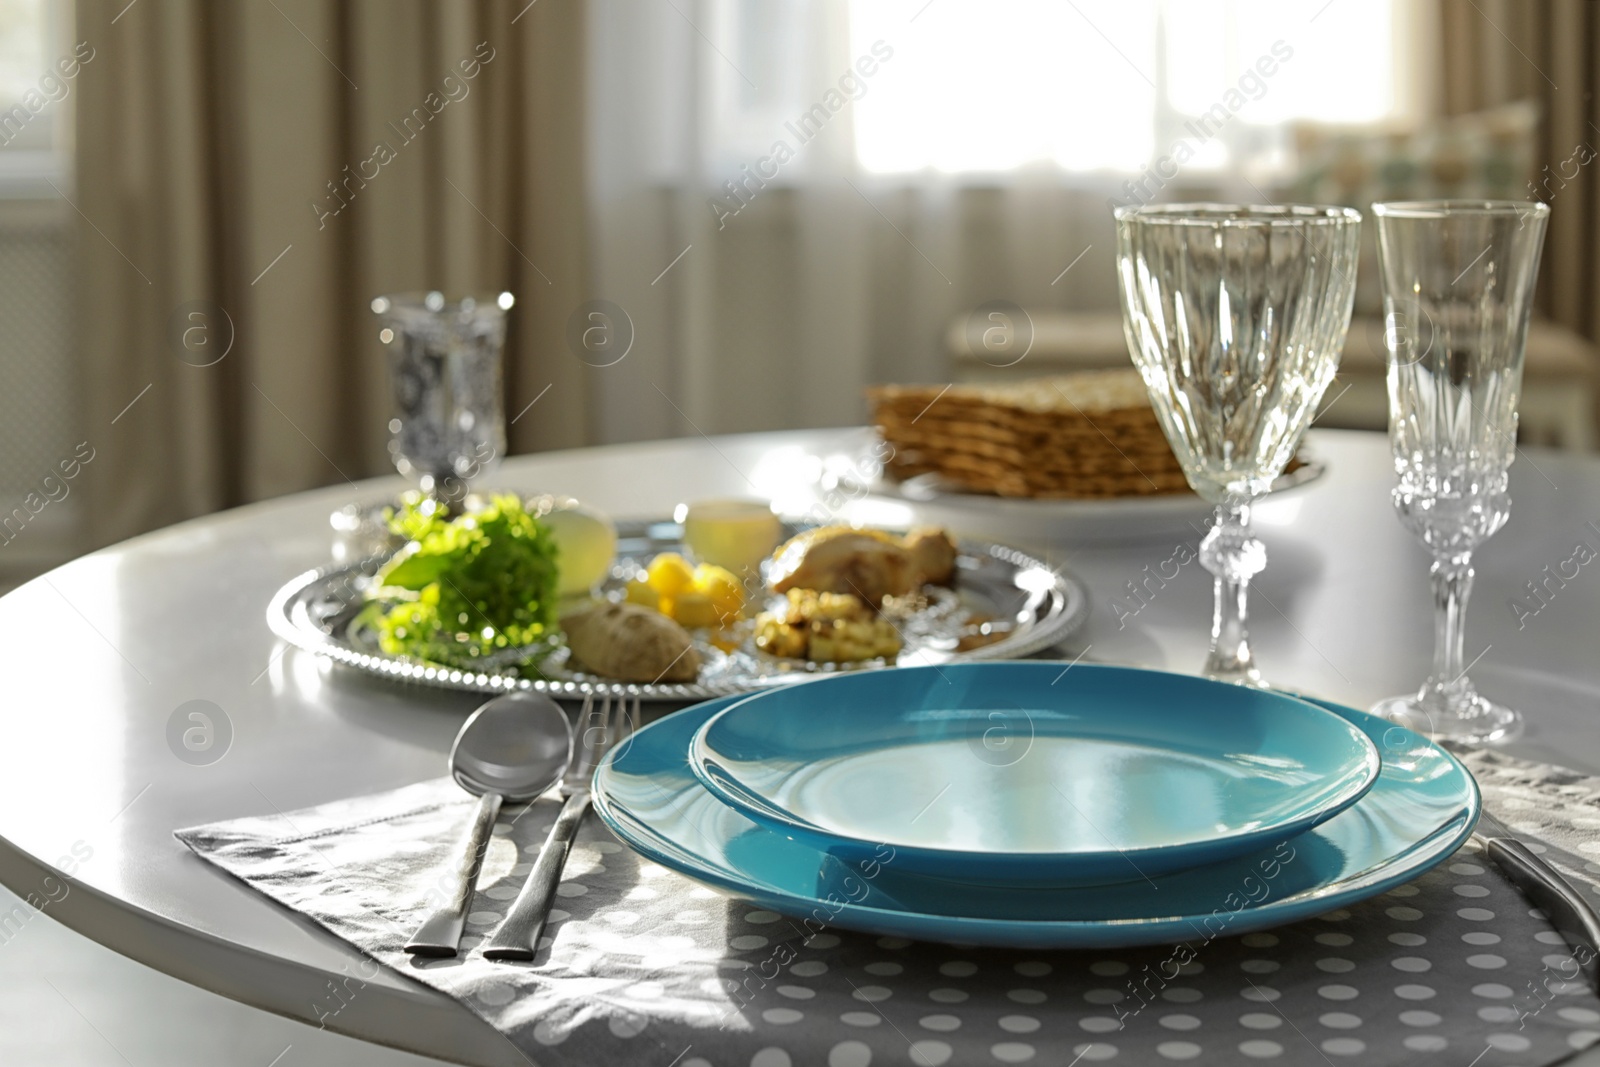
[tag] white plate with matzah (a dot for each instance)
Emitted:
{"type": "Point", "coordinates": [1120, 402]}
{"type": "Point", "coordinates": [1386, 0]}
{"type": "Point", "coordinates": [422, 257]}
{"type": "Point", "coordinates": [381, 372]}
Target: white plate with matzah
{"type": "Point", "coordinates": [1024, 519]}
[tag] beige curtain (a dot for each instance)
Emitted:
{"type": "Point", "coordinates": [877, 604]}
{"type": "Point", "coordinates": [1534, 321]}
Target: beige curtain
{"type": "Point", "coordinates": [264, 168]}
{"type": "Point", "coordinates": [1496, 51]}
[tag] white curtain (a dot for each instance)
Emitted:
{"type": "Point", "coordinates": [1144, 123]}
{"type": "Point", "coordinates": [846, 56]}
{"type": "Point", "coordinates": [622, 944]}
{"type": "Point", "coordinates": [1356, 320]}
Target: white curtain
{"type": "Point", "coordinates": [827, 278]}
{"type": "Point", "coordinates": [773, 305]}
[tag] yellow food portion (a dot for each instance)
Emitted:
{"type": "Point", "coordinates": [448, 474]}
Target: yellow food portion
{"type": "Point", "coordinates": [670, 574]}
{"type": "Point", "coordinates": [826, 627]}
{"type": "Point", "coordinates": [725, 640]}
{"type": "Point", "coordinates": [721, 587]}
{"type": "Point", "coordinates": [696, 597]}
{"type": "Point", "coordinates": [643, 593]}
{"type": "Point", "coordinates": [695, 610]}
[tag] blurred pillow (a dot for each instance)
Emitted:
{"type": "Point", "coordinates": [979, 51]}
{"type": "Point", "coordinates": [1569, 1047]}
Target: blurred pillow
{"type": "Point", "coordinates": [1485, 155]}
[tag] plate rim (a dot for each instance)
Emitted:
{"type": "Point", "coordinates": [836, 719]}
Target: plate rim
{"type": "Point", "coordinates": [1147, 505]}
{"type": "Point", "coordinates": [1086, 934]}
{"type": "Point", "coordinates": [773, 817]}
{"type": "Point", "coordinates": [286, 600]}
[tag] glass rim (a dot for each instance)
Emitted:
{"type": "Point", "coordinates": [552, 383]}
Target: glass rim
{"type": "Point", "coordinates": [436, 302]}
{"type": "Point", "coordinates": [1244, 216]}
{"type": "Point", "coordinates": [1443, 209]}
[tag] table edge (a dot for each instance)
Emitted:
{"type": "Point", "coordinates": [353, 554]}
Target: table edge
{"type": "Point", "coordinates": [416, 1019]}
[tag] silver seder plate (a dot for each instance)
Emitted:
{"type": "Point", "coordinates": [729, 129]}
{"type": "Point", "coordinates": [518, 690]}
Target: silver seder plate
{"type": "Point", "coordinates": [1031, 607]}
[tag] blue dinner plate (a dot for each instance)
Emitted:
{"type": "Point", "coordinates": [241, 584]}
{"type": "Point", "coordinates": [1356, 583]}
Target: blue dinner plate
{"type": "Point", "coordinates": [1422, 807]}
{"type": "Point", "coordinates": [1029, 774]}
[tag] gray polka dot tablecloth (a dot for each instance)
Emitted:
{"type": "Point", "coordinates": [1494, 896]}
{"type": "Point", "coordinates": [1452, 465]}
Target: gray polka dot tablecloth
{"type": "Point", "coordinates": [645, 967]}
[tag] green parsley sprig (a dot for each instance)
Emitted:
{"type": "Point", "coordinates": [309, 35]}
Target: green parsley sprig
{"type": "Point", "coordinates": [466, 586]}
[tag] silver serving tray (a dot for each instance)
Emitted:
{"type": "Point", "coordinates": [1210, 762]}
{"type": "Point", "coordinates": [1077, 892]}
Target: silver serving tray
{"type": "Point", "coordinates": [1039, 605]}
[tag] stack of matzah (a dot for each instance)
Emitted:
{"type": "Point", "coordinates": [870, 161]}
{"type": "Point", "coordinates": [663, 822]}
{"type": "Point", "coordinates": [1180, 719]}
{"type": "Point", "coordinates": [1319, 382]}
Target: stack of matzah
{"type": "Point", "coordinates": [1084, 435]}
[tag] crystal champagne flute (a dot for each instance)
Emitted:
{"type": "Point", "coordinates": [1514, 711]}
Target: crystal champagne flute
{"type": "Point", "coordinates": [1458, 279]}
{"type": "Point", "coordinates": [1235, 317]}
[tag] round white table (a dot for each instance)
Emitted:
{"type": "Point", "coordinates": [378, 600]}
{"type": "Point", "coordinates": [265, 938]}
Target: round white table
{"type": "Point", "coordinates": [100, 653]}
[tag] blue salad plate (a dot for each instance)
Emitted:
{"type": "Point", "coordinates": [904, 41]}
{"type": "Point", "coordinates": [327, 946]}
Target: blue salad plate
{"type": "Point", "coordinates": [1030, 774]}
{"type": "Point", "coordinates": [1419, 811]}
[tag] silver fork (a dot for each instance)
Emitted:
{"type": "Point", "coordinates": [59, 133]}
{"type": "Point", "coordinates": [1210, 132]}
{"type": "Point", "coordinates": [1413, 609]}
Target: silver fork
{"type": "Point", "coordinates": [517, 937]}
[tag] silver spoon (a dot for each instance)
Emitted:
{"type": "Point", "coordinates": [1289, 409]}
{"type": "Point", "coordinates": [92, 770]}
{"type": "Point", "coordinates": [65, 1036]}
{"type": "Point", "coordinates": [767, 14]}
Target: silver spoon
{"type": "Point", "coordinates": [514, 748]}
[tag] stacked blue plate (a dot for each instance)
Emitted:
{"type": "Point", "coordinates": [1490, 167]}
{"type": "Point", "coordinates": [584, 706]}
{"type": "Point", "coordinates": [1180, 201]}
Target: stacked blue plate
{"type": "Point", "coordinates": [1032, 805]}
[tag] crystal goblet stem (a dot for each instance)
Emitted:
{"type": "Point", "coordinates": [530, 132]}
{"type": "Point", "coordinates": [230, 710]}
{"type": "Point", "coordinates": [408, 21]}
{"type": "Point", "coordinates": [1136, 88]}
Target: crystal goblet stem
{"type": "Point", "coordinates": [1234, 556]}
{"type": "Point", "coordinates": [1452, 584]}
{"type": "Point", "coordinates": [1448, 705]}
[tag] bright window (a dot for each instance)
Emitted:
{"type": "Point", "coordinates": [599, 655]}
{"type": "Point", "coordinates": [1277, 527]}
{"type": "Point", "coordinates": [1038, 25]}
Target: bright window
{"type": "Point", "coordinates": [1107, 85]}
{"type": "Point", "coordinates": [29, 30]}
{"type": "Point", "coordinates": [22, 46]}
{"type": "Point", "coordinates": [997, 86]}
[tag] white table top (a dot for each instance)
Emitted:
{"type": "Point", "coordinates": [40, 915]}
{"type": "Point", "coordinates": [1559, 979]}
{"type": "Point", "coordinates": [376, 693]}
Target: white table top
{"type": "Point", "coordinates": [99, 653]}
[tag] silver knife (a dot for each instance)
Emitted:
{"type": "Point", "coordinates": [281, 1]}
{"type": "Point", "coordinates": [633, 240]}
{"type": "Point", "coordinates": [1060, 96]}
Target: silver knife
{"type": "Point", "coordinates": [1572, 916]}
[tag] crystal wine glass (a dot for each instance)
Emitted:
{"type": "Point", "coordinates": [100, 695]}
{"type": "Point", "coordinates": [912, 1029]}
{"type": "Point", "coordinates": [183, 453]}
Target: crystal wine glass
{"type": "Point", "coordinates": [444, 368]}
{"type": "Point", "coordinates": [1458, 280]}
{"type": "Point", "coordinates": [1235, 317]}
